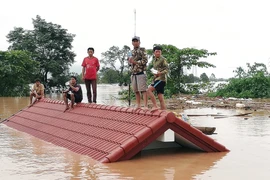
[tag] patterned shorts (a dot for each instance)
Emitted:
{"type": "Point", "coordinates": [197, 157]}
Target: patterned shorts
{"type": "Point", "coordinates": [139, 82]}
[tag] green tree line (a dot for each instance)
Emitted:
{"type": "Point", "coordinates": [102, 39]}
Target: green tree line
{"type": "Point", "coordinates": [251, 83]}
{"type": "Point", "coordinates": [16, 70]}
{"type": "Point", "coordinates": [45, 52]}
{"type": "Point", "coordinates": [48, 48]}
{"type": "Point", "coordinates": [115, 67]}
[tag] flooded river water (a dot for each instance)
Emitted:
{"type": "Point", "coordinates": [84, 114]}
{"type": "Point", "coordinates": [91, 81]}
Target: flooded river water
{"type": "Point", "coordinates": [25, 157]}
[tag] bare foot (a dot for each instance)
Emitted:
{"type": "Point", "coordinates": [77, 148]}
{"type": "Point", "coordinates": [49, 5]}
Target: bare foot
{"type": "Point", "coordinates": [136, 108]}
{"type": "Point", "coordinates": [145, 109]}
{"type": "Point", "coordinates": [154, 109]}
{"type": "Point", "coordinates": [33, 102]}
{"type": "Point", "coordinates": [67, 108]}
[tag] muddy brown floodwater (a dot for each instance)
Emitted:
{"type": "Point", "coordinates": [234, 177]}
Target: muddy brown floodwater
{"type": "Point", "coordinates": [25, 157]}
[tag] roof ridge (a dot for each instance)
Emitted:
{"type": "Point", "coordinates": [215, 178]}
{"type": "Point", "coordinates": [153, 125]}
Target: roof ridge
{"type": "Point", "coordinates": [97, 116]}
{"type": "Point", "coordinates": [109, 107]}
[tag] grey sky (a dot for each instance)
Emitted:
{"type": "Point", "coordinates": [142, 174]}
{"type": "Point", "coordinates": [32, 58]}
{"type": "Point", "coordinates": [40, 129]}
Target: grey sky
{"type": "Point", "coordinates": [237, 30]}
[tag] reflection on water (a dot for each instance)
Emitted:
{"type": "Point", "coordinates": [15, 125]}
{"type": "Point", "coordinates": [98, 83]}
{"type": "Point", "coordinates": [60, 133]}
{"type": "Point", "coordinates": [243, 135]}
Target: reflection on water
{"type": "Point", "coordinates": [166, 164]}
{"type": "Point", "coordinates": [26, 157]}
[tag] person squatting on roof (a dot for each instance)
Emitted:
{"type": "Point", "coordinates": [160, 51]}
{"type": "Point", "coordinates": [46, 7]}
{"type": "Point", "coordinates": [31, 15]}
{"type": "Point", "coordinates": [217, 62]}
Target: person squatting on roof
{"type": "Point", "coordinates": [73, 93]}
{"type": "Point", "coordinates": [37, 91]}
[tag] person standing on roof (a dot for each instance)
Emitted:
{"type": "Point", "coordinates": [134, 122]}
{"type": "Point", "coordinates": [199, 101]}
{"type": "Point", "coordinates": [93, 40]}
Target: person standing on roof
{"type": "Point", "coordinates": [138, 63]}
{"type": "Point", "coordinates": [90, 68]}
{"type": "Point", "coordinates": [160, 70]}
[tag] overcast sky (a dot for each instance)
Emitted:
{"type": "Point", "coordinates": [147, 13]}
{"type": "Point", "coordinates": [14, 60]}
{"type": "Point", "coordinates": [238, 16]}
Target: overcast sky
{"type": "Point", "coordinates": [238, 30]}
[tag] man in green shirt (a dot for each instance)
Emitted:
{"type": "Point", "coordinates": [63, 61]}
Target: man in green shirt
{"type": "Point", "coordinates": [160, 70]}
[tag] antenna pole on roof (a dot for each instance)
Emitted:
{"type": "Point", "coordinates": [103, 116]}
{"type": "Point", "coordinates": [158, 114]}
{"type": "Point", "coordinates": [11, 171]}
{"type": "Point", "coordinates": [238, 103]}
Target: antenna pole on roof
{"type": "Point", "coordinates": [134, 22]}
{"type": "Point", "coordinates": [129, 98]}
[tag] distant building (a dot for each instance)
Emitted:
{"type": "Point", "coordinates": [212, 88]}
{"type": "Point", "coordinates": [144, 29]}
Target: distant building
{"type": "Point", "coordinates": [194, 70]}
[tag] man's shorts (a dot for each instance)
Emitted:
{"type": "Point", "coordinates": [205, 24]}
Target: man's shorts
{"type": "Point", "coordinates": [159, 86]}
{"type": "Point", "coordinates": [139, 82]}
{"type": "Point", "coordinates": [39, 94]}
{"type": "Point", "coordinates": [78, 98]}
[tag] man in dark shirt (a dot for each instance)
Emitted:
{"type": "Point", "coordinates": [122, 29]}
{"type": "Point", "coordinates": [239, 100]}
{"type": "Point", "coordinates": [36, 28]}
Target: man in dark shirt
{"type": "Point", "coordinates": [74, 93]}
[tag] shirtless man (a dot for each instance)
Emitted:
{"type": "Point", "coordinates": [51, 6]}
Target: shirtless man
{"type": "Point", "coordinates": [37, 91]}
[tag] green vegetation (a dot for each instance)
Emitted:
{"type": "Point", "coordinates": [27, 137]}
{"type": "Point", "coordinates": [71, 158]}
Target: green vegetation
{"type": "Point", "coordinates": [115, 66]}
{"type": "Point", "coordinates": [48, 44]}
{"type": "Point", "coordinates": [204, 78]}
{"type": "Point", "coordinates": [16, 70]}
{"type": "Point", "coordinates": [253, 83]}
{"type": "Point", "coordinates": [178, 59]}
{"type": "Point", "coordinates": [46, 53]}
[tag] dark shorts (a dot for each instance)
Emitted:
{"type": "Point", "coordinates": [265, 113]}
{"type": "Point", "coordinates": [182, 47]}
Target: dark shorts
{"type": "Point", "coordinates": [159, 86]}
{"type": "Point", "coordinates": [78, 98]}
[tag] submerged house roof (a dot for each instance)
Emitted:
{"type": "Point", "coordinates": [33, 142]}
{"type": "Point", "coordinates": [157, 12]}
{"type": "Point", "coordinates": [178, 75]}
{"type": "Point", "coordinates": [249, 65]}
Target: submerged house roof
{"type": "Point", "coordinates": [105, 133]}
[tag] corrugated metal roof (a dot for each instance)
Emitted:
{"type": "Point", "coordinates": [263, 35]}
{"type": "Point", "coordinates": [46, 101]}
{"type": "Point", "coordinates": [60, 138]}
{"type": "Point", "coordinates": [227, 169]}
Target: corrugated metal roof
{"type": "Point", "coordinates": [105, 133]}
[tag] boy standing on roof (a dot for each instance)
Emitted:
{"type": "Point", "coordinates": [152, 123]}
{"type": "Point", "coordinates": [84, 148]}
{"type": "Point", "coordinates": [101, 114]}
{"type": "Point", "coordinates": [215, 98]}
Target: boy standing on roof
{"type": "Point", "coordinates": [138, 62]}
{"type": "Point", "coordinates": [160, 70]}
